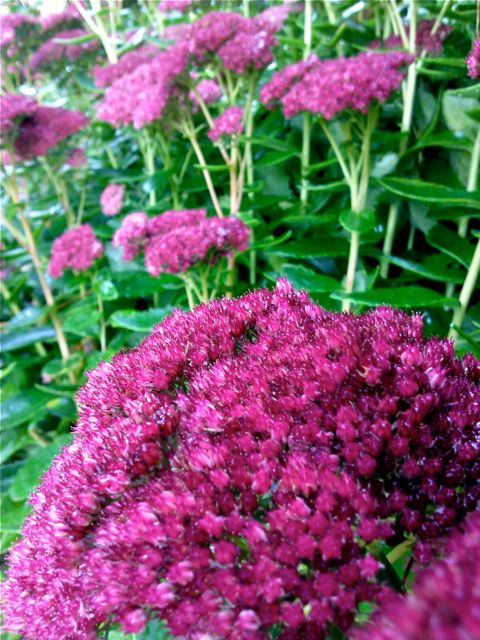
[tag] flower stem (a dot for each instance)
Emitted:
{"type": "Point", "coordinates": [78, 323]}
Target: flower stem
{"type": "Point", "coordinates": [472, 181]}
{"type": "Point", "coordinates": [61, 192]}
{"type": "Point", "coordinates": [466, 293]}
{"type": "Point", "coordinates": [190, 132]}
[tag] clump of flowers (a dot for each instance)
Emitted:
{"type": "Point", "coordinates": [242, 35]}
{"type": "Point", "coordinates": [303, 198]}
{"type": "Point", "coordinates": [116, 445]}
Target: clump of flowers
{"type": "Point", "coordinates": [176, 240]}
{"type": "Point", "coordinates": [140, 97]}
{"type": "Point", "coordinates": [230, 473]}
{"type": "Point", "coordinates": [444, 602]}
{"type": "Point", "coordinates": [111, 199]}
{"type": "Point", "coordinates": [61, 21]}
{"type": "Point", "coordinates": [77, 248]}
{"type": "Point", "coordinates": [229, 123]}
{"type": "Point", "coordinates": [46, 128]}
{"type": "Point", "coordinates": [105, 76]}
{"type": "Point", "coordinates": [52, 50]}
{"type": "Point", "coordinates": [330, 86]}
{"type": "Point", "coordinates": [473, 60]}
{"type": "Point", "coordinates": [208, 90]}
{"type": "Point", "coordinates": [13, 27]}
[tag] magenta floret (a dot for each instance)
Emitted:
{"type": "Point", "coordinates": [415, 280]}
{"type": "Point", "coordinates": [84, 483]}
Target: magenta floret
{"type": "Point", "coordinates": [77, 248]}
{"type": "Point", "coordinates": [229, 123]}
{"type": "Point", "coordinates": [229, 473]}
{"type": "Point", "coordinates": [111, 199]}
{"type": "Point", "coordinates": [445, 602]}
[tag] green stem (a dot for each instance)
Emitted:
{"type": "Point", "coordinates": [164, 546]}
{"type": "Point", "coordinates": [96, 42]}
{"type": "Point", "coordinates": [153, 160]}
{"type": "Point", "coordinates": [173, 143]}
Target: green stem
{"type": "Point", "coordinates": [168, 164]}
{"type": "Point", "coordinates": [466, 293]}
{"type": "Point", "coordinates": [147, 148]}
{"type": "Point", "coordinates": [61, 192]}
{"type": "Point", "coordinates": [472, 181]}
{"type": "Point", "coordinates": [111, 157]}
{"type": "Point", "coordinates": [103, 324]}
{"type": "Point", "coordinates": [190, 132]}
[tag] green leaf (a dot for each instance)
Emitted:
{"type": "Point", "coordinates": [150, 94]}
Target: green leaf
{"type": "Point", "coordinates": [433, 267]}
{"type": "Point", "coordinates": [358, 221]}
{"type": "Point", "coordinates": [29, 474]}
{"type": "Point", "coordinates": [27, 316]}
{"type": "Point", "coordinates": [138, 320]}
{"type": "Point", "coordinates": [57, 367]}
{"type": "Point", "coordinates": [139, 284]}
{"type": "Point", "coordinates": [313, 248]}
{"type": "Point", "coordinates": [19, 339]}
{"type": "Point", "coordinates": [405, 297]}
{"type": "Point", "coordinates": [106, 288]}
{"type": "Point", "coordinates": [155, 630]}
{"type": "Point", "coordinates": [303, 278]}
{"type": "Point", "coordinates": [78, 40]}
{"type": "Point", "coordinates": [451, 244]}
{"type": "Point", "coordinates": [275, 157]}
{"type": "Point", "coordinates": [81, 319]}
{"type": "Point", "coordinates": [12, 516]}
{"type": "Point", "coordinates": [415, 189]}
{"type": "Point", "coordinates": [23, 407]}
{"type": "Point", "coordinates": [445, 139]}
{"type": "Point", "coordinates": [330, 187]}
{"type": "Point", "coordinates": [469, 92]}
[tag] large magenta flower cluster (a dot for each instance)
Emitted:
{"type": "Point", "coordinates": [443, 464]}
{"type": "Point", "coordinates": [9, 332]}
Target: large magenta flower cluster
{"type": "Point", "coordinates": [445, 604]}
{"type": "Point", "coordinates": [176, 240]}
{"type": "Point", "coordinates": [230, 473]}
{"type": "Point", "coordinates": [77, 248]}
{"type": "Point", "coordinates": [328, 87]}
{"type": "Point", "coordinates": [35, 128]}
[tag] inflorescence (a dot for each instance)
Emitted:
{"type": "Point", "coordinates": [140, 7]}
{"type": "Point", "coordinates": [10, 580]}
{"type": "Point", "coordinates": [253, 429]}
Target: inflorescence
{"type": "Point", "coordinates": [234, 472]}
{"type": "Point", "coordinates": [77, 248]}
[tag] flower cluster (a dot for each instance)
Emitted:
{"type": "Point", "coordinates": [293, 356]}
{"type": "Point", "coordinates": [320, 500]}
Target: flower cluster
{"type": "Point", "coordinates": [229, 123]}
{"type": "Point", "coordinates": [140, 97]}
{"type": "Point", "coordinates": [330, 86]}
{"type": "Point", "coordinates": [473, 60]}
{"type": "Point", "coordinates": [77, 248]}
{"type": "Point", "coordinates": [445, 602]}
{"type": "Point", "coordinates": [230, 472]}
{"type": "Point", "coordinates": [175, 240]}
{"type": "Point", "coordinates": [70, 18]}
{"type": "Point", "coordinates": [111, 199]}
{"type": "Point", "coordinates": [13, 108]}
{"type": "Point", "coordinates": [105, 76]}
{"type": "Point", "coordinates": [175, 5]}
{"type": "Point", "coordinates": [45, 128]}
{"type": "Point", "coordinates": [425, 39]}
{"type": "Point", "coordinates": [208, 90]}
{"type": "Point", "coordinates": [53, 51]}
{"type": "Point", "coordinates": [240, 43]}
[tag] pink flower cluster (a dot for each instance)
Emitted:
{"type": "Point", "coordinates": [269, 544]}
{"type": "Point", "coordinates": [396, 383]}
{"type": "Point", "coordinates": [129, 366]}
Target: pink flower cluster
{"type": "Point", "coordinates": [229, 473]}
{"type": "Point", "coordinates": [13, 108]}
{"type": "Point", "coordinates": [208, 90]}
{"type": "Point", "coordinates": [53, 51]}
{"type": "Point", "coordinates": [45, 128]}
{"type": "Point", "coordinates": [105, 76]}
{"type": "Point", "coordinates": [140, 97]}
{"type": "Point", "coordinates": [240, 43]}
{"type": "Point", "coordinates": [77, 248]}
{"type": "Point", "coordinates": [473, 60]}
{"type": "Point", "coordinates": [328, 87]}
{"type": "Point", "coordinates": [36, 129]}
{"type": "Point", "coordinates": [175, 5]}
{"type": "Point", "coordinates": [445, 603]}
{"type": "Point", "coordinates": [229, 123]}
{"type": "Point", "coordinates": [176, 240]}
{"type": "Point", "coordinates": [61, 21]}
{"type": "Point", "coordinates": [425, 40]}
{"type": "Point", "coordinates": [111, 199]}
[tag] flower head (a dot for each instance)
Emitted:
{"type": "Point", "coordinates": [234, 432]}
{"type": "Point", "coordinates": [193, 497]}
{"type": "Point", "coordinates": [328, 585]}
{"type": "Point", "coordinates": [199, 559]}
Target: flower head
{"type": "Point", "coordinates": [473, 60]}
{"type": "Point", "coordinates": [111, 200]}
{"type": "Point", "coordinates": [10, 23]}
{"type": "Point", "coordinates": [46, 128]}
{"type": "Point", "coordinates": [208, 90]}
{"type": "Point", "coordinates": [77, 248]}
{"type": "Point", "coordinates": [444, 604]}
{"type": "Point", "coordinates": [61, 21]}
{"type": "Point", "coordinates": [425, 40]}
{"type": "Point", "coordinates": [141, 97]}
{"type": "Point", "coordinates": [330, 86]}
{"type": "Point", "coordinates": [229, 472]}
{"type": "Point", "coordinates": [105, 76]}
{"type": "Point", "coordinates": [229, 123]}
